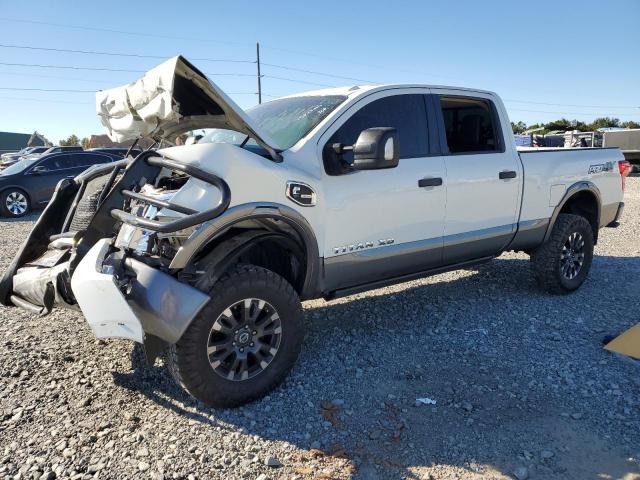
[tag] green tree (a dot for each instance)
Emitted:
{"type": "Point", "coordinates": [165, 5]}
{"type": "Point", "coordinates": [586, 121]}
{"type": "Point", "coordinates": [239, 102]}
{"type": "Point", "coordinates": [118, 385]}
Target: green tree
{"type": "Point", "coordinates": [604, 122]}
{"type": "Point", "coordinates": [518, 127]}
{"type": "Point", "coordinates": [561, 124]}
{"type": "Point", "coordinates": [85, 143]}
{"type": "Point", "coordinates": [71, 141]}
{"type": "Point", "coordinates": [630, 124]}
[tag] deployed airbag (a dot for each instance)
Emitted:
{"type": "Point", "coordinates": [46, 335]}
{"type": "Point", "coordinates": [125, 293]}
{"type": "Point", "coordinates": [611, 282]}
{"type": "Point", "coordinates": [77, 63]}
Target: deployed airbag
{"type": "Point", "coordinates": [170, 99]}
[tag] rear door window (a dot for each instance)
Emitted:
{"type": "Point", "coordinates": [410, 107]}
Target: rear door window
{"type": "Point", "coordinates": [88, 159]}
{"type": "Point", "coordinates": [470, 125]}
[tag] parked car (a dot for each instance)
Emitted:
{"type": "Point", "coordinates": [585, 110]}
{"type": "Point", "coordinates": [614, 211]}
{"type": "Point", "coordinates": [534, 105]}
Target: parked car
{"type": "Point", "coordinates": [116, 151]}
{"type": "Point", "coordinates": [30, 183]}
{"type": "Point", "coordinates": [11, 158]}
{"type": "Point", "coordinates": [204, 251]}
{"type": "Point", "coordinates": [19, 153]}
{"type": "Point", "coordinates": [56, 149]}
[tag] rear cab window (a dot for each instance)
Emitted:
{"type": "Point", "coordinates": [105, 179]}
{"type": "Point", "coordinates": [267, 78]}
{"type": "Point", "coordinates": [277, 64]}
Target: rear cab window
{"type": "Point", "coordinates": [470, 125]}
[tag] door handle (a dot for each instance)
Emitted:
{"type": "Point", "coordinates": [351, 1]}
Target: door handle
{"type": "Point", "coordinates": [507, 174]}
{"type": "Point", "coordinates": [430, 182]}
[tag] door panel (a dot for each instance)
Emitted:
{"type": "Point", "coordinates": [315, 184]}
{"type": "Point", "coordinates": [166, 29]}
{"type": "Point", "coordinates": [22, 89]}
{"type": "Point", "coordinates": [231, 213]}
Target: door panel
{"type": "Point", "coordinates": [381, 223]}
{"type": "Point", "coordinates": [44, 183]}
{"type": "Point", "coordinates": [484, 178]}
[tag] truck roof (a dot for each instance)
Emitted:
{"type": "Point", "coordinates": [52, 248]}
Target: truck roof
{"type": "Point", "coordinates": [356, 90]}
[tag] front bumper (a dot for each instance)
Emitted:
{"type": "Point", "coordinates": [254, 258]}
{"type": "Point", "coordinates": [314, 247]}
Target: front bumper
{"type": "Point", "coordinates": [120, 296]}
{"type": "Point", "coordinates": [153, 303]}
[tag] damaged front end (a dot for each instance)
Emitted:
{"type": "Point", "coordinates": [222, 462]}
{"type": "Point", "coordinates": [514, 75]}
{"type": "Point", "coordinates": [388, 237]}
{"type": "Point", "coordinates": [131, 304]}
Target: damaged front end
{"type": "Point", "coordinates": [104, 244]}
{"type": "Point", "coordinates": [105, 241]}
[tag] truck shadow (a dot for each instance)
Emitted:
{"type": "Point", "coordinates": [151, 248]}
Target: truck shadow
{"type": "Point", "coordinates": [506, 364]}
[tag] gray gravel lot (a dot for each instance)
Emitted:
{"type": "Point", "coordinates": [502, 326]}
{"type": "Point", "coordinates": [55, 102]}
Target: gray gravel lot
{"type": "Point", "coordinates": [521, 385]}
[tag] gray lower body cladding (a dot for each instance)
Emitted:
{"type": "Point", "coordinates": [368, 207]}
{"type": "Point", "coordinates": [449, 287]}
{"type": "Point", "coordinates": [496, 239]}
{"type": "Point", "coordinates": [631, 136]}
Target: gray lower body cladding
{"type": "Point", "coordinates": [411, 258]}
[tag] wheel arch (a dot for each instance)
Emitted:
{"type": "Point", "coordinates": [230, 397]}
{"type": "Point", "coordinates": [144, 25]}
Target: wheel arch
{"type": "Point", "coordinates": [582, 198]}
{"type": "Point", "coordinates": [243, 231]}
{"type": "Point", "coordinates": [16, 187]}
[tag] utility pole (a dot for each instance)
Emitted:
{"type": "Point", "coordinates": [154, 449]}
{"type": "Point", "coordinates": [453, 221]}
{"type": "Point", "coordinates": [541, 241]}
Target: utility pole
{"type": "Point", "coordinates": [259, 76]}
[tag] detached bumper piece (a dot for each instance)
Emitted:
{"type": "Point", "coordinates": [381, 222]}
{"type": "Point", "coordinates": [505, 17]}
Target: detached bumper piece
{"type": "Point", "coordinates": [137, 301]}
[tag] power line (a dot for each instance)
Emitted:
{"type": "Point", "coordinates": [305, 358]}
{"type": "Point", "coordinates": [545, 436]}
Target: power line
{"type": "Point", "coordinates": [116, 54]}
{"type": "Point", "coordinates": [163, 57]}
{"type": "Point", "coordinates": [351, 61]}
{"type": "Point", "coordinates": [72, 67]}
{"type": "Point", "coordinates": [45, 100]}
{"type": "Point", "coordinates": [121, 32]}
{"type": "Point", "coordinates": [568, 104]}
{"type": "Point", "coordinates": [120, 70]}
{"type": "Point", "coordinates": [47, 90]}
{"type": "Point", "coordinates": [313, 72]}
{"type": "Point", "coordinates": [298, 81]}
{"type": "Point", "coordinates": [39, 75]}
{"type": "Point", "coordinates": [70, 90]}
{"type": "Point", "coordinates": [108, 69]}
{"type": "Point", "coordinates": [156, 35]}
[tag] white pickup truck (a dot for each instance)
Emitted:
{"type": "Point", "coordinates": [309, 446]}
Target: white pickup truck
{"type": "Point", "coordinates": [204, 251]}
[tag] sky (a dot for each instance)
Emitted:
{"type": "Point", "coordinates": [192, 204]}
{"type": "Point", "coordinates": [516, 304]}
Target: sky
{"type": "Point", "coordinates": [573, 59]}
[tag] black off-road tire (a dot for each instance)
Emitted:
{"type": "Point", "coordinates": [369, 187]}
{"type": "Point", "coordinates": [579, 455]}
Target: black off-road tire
{"type": "Point", "coordinates": [546, 259]}
{"type": "Point", "coordinates": [18, 194]}
{"type": "Point", "coordinates": [189, 362]}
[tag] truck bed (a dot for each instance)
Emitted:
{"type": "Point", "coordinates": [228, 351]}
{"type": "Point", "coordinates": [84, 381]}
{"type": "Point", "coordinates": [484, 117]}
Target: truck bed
{"type": "Point", "coordinates": [549, 172]}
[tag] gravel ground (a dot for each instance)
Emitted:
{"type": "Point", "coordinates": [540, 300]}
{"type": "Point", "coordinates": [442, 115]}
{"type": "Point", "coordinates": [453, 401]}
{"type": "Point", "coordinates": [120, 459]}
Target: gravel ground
{"type": "Point", "coordinates": [520, 384]}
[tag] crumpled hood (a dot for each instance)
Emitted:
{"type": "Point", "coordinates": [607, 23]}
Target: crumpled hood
{"type": "Point", "coordinates": [171, 99]}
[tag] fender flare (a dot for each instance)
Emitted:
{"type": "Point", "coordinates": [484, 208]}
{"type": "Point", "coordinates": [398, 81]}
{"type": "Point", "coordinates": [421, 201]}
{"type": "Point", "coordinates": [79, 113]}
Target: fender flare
{"type": "Point", "coordinates": [15, 187]}
{"type": "Point", "coordinates": [225, 254]}
{"type": "Point", "coordinates": [212, 229]}
{"type": "Point", "coordinates": [581, 186]}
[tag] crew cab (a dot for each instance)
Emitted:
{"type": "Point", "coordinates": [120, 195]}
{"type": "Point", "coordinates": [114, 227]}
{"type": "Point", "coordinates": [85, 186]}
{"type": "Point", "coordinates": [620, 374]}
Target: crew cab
{"type": "Point", "coordinates": [204, 252]}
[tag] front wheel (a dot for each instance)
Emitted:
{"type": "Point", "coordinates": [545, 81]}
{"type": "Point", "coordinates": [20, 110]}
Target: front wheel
{"type": "Point", "coordinates": [243, 342]}
{"type": "Point", "coordinates": [15, 203]}
{"type": "Point", "coordinates": [562, 263]}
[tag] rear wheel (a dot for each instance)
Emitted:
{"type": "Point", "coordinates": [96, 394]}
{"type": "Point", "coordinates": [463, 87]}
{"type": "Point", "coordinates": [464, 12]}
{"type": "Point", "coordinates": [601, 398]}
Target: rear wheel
{"type": "Point", "coordinates": [15, 203]}
{"type": "Point", "coordinates": [244, 342]}
{"type": "Point", "coordinates": [562, 263]}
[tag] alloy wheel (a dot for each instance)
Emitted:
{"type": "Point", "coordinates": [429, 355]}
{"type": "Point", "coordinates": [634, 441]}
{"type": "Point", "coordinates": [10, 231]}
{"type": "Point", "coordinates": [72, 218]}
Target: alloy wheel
{"type": "Point", "coordinates": [16, 203]}
{"type": "Point", "coordinates": [244, 339]}
{"type": "Point", "coordinates": [572, 256]}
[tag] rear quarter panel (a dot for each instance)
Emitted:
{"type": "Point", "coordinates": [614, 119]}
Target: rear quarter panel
{"type": "Point", "coordinates": [548, 173]}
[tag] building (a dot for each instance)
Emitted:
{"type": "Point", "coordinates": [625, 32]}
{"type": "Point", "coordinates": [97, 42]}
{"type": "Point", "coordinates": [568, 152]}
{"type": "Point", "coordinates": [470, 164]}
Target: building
{"type": "Point", "coordinates": [103, 141]}
{"type": "Point", "coordinates": [12, 142]}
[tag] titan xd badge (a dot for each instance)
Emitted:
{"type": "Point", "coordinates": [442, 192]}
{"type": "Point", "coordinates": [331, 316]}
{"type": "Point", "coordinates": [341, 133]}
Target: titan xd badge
{"type": "Point", "coordinates": [301, 193]}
